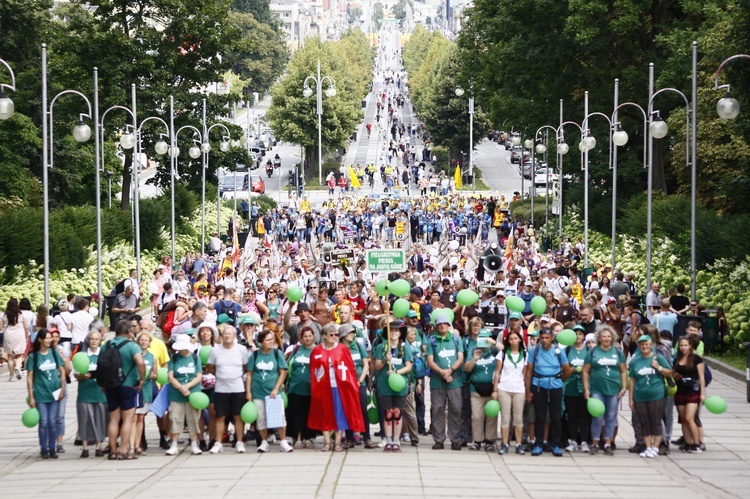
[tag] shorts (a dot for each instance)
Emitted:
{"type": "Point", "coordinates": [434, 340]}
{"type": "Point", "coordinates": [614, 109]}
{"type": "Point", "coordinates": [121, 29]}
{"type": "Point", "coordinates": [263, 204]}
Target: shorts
{"type": "Point", "coordinates": [685, 398]}
{"type": "Point", "coordinates": [144, 408]}
{"type": "Point", "coordinates": [179, 412]}
{"type": "Point", "coordinates": [260, 423]}
{"type": "Point", "coordinates": [227, 405]}
{"type": "Point", "coordinates": [123, 398]}
{"type": "Point", "coordinates": [386, 402]}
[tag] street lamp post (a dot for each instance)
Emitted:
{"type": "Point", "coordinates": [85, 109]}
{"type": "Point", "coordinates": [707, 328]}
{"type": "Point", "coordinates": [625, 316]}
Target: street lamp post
{"type": "Point", "coordinates": [541, 148]}
{"type": "Point", "coordinates": [330, 92]}
{"type": "Point", "coordinates": [658, 129]}
{"type": "Point", "coordinates": [459, 93]}
{"type": "Point", "coordinates": [515, 141]}
{"type": "Point", "coordinates": [81, 133]}
{"type": "Point", "coordinates": [205, 149]}
{"type": "Point", "coordinates": [529, 144]}
{"type": "Point", "coordinates": [562, 150]}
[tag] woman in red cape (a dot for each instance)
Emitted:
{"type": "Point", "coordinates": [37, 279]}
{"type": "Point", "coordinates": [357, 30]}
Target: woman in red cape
{"type": "Point", "coordinates": [334, 401]}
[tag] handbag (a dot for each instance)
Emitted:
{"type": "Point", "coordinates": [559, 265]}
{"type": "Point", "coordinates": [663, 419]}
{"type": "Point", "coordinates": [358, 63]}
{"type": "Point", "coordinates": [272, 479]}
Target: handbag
{"type": "Point", "coordinates": [484, 389]}
{"type": "Point", "coordinates": [670, 387]}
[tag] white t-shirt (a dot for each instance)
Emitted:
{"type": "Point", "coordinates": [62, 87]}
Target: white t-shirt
{"type": "Point", "coordinates": [81, 321]}
{"type": "Point", "coordinates": [61, 321]}
{"type": "Point", "coordinates": [229, 364]}
{"type": "Point", "coordinates": [511, 375]}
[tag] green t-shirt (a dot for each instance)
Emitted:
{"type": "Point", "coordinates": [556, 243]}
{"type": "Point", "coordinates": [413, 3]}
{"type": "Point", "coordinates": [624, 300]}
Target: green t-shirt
{"type": "Point", "coordinates": [265, 368]}
{"type": "Point", "coordinates": [400, 356]}
{"type": "Point", "coordinates": [469, 345]}
{"type": "Point", "coordinates": [649, 384]}
{"type": "Point", "coordinates": [184, 370]}
{"type": "Point", "coordinates": [484, 369]}
{"type": "Point", "coordinates": [605, 370]}
{"type": "Point", "coordinates": [148, 385]}
{"type": "Point", "coordinates": [299, 371]}
{"type": "Point", "coordinates": [574, 384]}
{"type": "Point", "coordinates": [89, 390]}
{"type": "Point", "coordinates": [46, 374]}
{"type": "Point", "coordinates": [445, 355]}
{"type": "Point", "coordinates": [359, 353]}
{"type": "Point", "coordinates": [132, 378]}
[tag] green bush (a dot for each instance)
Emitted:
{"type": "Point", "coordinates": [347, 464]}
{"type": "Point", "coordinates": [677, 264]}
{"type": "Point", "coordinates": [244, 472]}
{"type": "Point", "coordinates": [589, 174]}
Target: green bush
{"type": "Point", "coordinates": [265, 203]}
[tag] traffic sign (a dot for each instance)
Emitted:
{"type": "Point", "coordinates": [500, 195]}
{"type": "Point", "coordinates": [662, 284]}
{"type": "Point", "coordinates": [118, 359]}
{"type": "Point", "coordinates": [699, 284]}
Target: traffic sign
{"type": "Point", "coordinates": [390, 260]}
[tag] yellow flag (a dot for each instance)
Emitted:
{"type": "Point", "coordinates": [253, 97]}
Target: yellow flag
{"type": "Point", "coordinates": [354, 178]}
{"type": "Point", "coordinates": [457, 176]}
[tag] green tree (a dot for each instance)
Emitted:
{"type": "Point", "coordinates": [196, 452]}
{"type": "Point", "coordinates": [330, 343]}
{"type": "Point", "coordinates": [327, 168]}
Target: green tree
{"type": "Point", "coordinates": [260, 53]}
{"type": "Point", "coordinates": [378, 13]}
{"type": "Point", "coordinates": [261, 11]}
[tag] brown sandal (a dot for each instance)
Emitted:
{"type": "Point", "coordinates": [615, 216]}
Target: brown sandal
{"type": "Point", "coordinates": [338, 448]}
{"type": "Point", "coordinates": [326, 448]}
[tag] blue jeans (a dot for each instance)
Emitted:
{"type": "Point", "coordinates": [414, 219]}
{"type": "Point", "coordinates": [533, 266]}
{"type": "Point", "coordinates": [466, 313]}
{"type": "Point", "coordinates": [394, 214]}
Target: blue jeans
{"type": "Point", "coordinates": [609, 420]}
{"type": "Point", "coordinates": [62, 405]}
{"type": "Point", "coordinates": [48, 414]}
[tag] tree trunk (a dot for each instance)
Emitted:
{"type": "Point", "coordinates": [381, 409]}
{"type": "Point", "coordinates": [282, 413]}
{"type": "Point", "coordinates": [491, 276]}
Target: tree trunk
{"type": "Point", "coordinates": [126, 182]}
{"type": "Point", "coordinates": [311, 156]}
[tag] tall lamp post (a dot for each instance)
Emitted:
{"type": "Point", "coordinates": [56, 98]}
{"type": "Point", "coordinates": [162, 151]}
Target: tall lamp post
{"type": "Point", "coordinates": [619, 139]}
{"type": "Point", "coordinates": [205, 149]}
{"type": "Point", "coordinates": [658, 129]}
{"type": "Point", "coordinates": [562, 150]}
{"type": "Point", "coordinates": [529, 144]}
{"type": "Point", "coordinates": [541, 148]}
{"type": "Point", "coordinates": [460, 93]}
{"type": "Point", "coordinates": [516, 141]}
{"type": "Point", "coordinates": [330, 92]}
{"type": "Point", "coordinates": [81, 133]}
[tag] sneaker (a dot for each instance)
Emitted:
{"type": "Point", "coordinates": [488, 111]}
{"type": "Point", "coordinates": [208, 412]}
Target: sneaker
{"type": "Point", "coordinates": [652, 452]}
{"type": "Point", "coordinates": [271, 438]}
{"type": "Point", "coordinates": [240, 447]}
{"type": "Point", "coordinates": [530, 444]}
{"type": "Point", "coordinates": [381, 444]}
{"type": "Point", "coordinates": [594, 450]}
{"type": "Point", "coordinates": [585, 447]}
{"type": "Point", "coordinates": [172, 449]}
{"type": "Point", "coordinates": [537, 450]}
{"type": "Point", "coordinates": [694, 449]}
{"type": "Point", "coordinates": [44, 454]}
{"type": "Point", "coordinates": [285, 447]}
{"type": "Point", "coordinates": [571, 446]}
{"type": "Point", "coordinates": [502, 450]}
{"type": "Point", "coordinates": [203, 446]}
{"type": "Point", "coordinates": [664, 449]}
{"type": "Point", "coordinates": [99, 453]}
{"type": "Point", "coordinates": [475, 446]}
{"type": "Point", "coordinates": [520, 450]}
{"type": "Point", "coordinates": [608, 450]}
{"type": "Point", "coordinates": [60, 449]}
{"type": "Point", "coordinates": [490, 447]}
{"type": "Point", "coordinates": [679, 441]}
{"type": "Point", "coordinates": [455, 445]}
{"type": "Point", "coordinates": [414, 442]}
{"type": "Point", "coordinates": [163, 443]}
{"type": "Point", "coordinates": [546, 446]}
{"type": "Point", "coordinates": [85, 453]}
{"type": "Point", "coordinates": [218, 448]}
{"type": "Point", "coordinates": [78, 442]}
{"type": "Point", "coordinates": [645, 453]}
{"type": "Point", "coordinates": [557, 451]}
{"type": "Point", "coordinates": [407, 439]}
{"type": "Point", "coordinates": [637, 448]}
{"type": "Point", "coordinates": [195, 449]}
{"type": "Point", "coordinates": [53, 454]}
{"type": "Point", "coordinates": [17, 373]}
{"type": "Point", "coordinates": [438, 446]}
{"type": "Point", "coordinates": [702, 446]}
{"type": "Point", "coordinates": [263, 447]}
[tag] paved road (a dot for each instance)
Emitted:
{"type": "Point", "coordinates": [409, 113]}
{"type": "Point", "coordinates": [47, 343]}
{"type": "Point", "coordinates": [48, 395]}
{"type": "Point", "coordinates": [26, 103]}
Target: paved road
{"type": "Point", "coordinates": [722, 471]}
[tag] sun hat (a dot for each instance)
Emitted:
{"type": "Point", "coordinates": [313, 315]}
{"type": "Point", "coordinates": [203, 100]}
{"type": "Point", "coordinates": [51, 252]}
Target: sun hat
{"type": "Point", "coordinates": [183, 343]}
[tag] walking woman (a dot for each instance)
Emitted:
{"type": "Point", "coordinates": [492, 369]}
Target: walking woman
{"type": "Point", "coordinates": [46, 387]}
{"type": "Point", "coordinates": [579, 418]}
{"type": "Point", "coordinates": [647, 372]}
{"type": "Point", "coordinates": [510, 390]}
{"type": "Point", "coordinates": [605, 378]}
{"type": "Point", "coordinates": [16, 336]}
{"type": "Point", "coordinates": [147, 392]}
{"type": "Point", "coordinates": [689, 372]}
{"type": "Point", "coordinates": [298, 391]}
{"type": "Point", "coordinates": [392, 358]}
{"type": "Point", "coordinates": [91, 405]}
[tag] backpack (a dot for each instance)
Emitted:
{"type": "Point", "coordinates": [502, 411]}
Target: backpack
{"type": "Point", "coordinates": [707, 376]}
{"type": "Point", "coordinates": [230, 310]}
{"type": "Point", "coordinates": [559, 360]}
{"type": "Point", "coordinates": [168, 324]}
{"type": "Point", "coordinates": [160, 307]}
{"type": "Point", "coordinates": [420, 368]}
{"type": "Point", "coordinates": [109, 366]}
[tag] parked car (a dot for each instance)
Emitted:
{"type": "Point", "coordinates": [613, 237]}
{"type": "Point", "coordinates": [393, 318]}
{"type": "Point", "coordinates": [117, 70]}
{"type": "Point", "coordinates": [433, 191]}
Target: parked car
{"type": "Point", "coordinates": [243, 184]}
{"type": "Point", "coordinates": [545, 176]}
{"type": "Point", "coordinates": [257, 184]}
{"type": "Point", "coordinates": [528, 167]}
{"type": "Point", "coordinates": [517, 153]}
{"type": "Point", "coordinates": [257, 151]}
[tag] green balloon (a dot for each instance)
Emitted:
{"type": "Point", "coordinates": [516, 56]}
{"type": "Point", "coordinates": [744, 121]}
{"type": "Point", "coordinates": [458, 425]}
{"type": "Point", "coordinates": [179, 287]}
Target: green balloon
{"type": "Point", "coordinates": [294, 294]}
{"type": "Point", "coordinates": [515, 304]}
{"type": "Point", "coordinates": [204, 352]}
{"type": "Point", "coordinates": [567, 337]}
{"type": "Point", "coordinates": [249, 412]}
{"type": "Point", "coordinates": [30, 417]}
{"type": "Point", "coordinates": [285, 399]}
{"type": "Point", "coordinates": [381, 287]}
{"type": "Point", "coordinates": [467, 297]}
{"type": "Point", "coordinates": [399, 287]}
{"type": "Point", "coordinates": [372, 415]}
{"type": "Point", "coordinates": [449, 313]}
{"type": "Point", "coordinates": [162, 376]}
{"type": "Point", "coordinates": [715, 405]}
{"type": "Point", "coordinates": [396, 382]}
{"type": "Point", "coordinates": [199, 400]}
{"type": "Point", "coordinates": [81, 363]}
{"type": "Point", "coordinates": [538, 305]}
{"type": "Point", "coordinates": [492, 408]}
{"type": "Point", "coordinates": [401, 307]}
{"type": "Point", "coordinates": [595, 407]}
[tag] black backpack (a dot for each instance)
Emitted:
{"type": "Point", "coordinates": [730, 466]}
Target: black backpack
{"type": "Point", "coordinates": [109, 372]}
{"type": "Point", "coordinates": [231, 311]}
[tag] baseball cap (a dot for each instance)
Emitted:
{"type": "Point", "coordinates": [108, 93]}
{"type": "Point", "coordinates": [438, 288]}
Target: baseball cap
{"type": "Point", "coordinates": [534, 333]}
{"type": "Point", "coordinates": [579, 327]}
{"type": "Point", "coordinates": [515, 315]}
{"type": "Point", "coordinates": [416, 290]}
{"type": "Point", "coordinates": [412, 314]}
{"type": "Point", "coordinates": [223, 319]}
{"type": "Point", "coordinates": [643, 338]}
{"type": "Point", "coordinates": [248, 319]}
{"type": "Point", "coordinates": [545, 318]}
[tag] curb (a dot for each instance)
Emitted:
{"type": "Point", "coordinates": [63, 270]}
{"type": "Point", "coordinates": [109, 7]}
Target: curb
{"type": "Point", "coordinates": [725, 368]}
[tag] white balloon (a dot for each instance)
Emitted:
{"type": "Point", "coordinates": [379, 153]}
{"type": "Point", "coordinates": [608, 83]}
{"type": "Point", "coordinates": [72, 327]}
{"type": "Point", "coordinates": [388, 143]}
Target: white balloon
{"type": "Point", "coordinates": [453, 244]}
{"type": "Point", "coordinates": [434, 260]}
{"type": "Point", "coordinates": [434, 252]}
{"type": "Point", "coordinates": [94, 311]}
{"type": "Point", "coordinates": [453, 260]}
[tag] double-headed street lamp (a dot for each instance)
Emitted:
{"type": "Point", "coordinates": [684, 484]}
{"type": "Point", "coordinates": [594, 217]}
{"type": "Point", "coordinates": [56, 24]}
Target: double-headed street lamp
{"type": "Point", "coordinates": [81, 133]}
{"type": "Point", "coordinates": [460, 93]}
{"type": "Point", "coordinates": [330, 92]}
{"type": "Point", "coordinates": [541, 148]}
{"type": "Point", "coordinates": [7, 108]}
{"type": "Point", "coordinates": [205, 149]}
{"type": "Point", "coordinates": [562, 150]}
